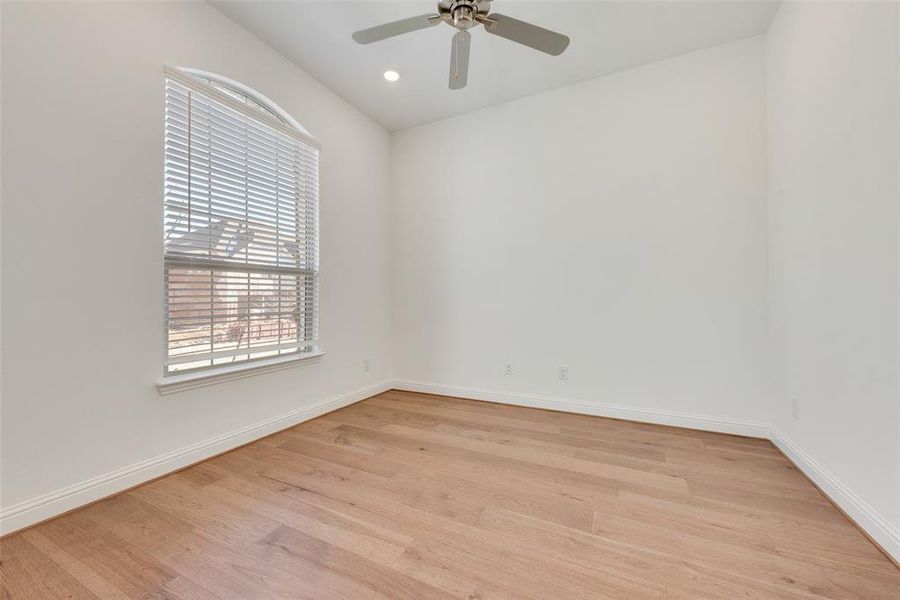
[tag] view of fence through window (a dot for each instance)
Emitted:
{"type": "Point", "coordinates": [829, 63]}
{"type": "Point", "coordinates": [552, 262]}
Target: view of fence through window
{"type": "Point", "coordinates": [241, 227]}
{"type": "Point", "coordinates": [233, 314]}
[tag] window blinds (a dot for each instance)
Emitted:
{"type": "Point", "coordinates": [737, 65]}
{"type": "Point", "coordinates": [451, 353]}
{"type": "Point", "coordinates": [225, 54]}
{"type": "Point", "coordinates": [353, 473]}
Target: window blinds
{"type": "Point", "coordinates": [240, 229]}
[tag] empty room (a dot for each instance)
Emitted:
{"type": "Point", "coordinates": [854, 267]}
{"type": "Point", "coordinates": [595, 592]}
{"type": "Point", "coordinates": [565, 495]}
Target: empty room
{"type": "Point", "coordinates": [406, 300]}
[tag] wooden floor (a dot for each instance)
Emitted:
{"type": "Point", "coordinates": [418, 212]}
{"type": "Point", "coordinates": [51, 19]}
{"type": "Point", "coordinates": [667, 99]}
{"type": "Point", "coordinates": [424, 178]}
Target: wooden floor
{"type": "Point", "coordinates": [408, 496]}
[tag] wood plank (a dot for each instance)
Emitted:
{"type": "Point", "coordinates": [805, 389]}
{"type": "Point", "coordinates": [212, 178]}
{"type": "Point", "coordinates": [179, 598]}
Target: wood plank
{"type": "Point", "coordinates": [181, 588]}
{"type": "Point", "coordinates": [126, 568]}
{"type": "Point", "coordinates": [26, 573]}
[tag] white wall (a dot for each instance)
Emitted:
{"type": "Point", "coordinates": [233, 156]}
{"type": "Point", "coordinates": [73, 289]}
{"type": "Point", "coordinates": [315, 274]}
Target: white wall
{"type": "Point", "coordinates": [834, 172]}
{"type": "Point", "coordinates": [617, 227]}
{"type": "Point", "coordinates": [82, 241]}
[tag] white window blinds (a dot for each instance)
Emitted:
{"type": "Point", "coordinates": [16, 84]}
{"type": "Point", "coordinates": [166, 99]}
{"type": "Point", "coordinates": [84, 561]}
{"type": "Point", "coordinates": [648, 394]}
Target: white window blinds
{"type": "Point", "coordinates": [241, 231]}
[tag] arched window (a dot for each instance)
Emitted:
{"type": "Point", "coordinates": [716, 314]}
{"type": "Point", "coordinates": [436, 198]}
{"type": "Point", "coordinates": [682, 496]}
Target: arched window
{"type": "Point", "coordinates": [248, 96]}
{"type": "Point", "coordinates": [241, 95]}
{"type": "Point", "coordinates": [240, 227]}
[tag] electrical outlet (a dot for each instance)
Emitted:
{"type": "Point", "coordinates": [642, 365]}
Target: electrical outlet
{"type": "Point", "coordinates": [563, 373]}
{"type": "Point", "coordinates": [367, 365]}
{"type": "Point", "coordinates": [795, 406]}
{"type": "Point", "coordinates": [508, 369]}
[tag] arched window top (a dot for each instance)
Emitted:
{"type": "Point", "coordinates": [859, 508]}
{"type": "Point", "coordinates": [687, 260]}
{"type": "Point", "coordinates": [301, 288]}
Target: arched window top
{"type": "Point", "coordinates": [245, 94]}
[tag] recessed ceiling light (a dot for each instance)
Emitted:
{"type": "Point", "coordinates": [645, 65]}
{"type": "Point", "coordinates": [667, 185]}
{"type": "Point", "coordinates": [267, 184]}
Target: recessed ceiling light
{"type": "Point", "coordinates": [391, 76]}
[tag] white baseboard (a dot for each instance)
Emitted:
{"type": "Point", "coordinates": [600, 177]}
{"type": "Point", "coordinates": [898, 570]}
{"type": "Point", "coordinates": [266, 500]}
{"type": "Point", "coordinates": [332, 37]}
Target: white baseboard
{"type": "Point", "coordinates": [866, 517]}
{"type": "Point", "coordinates": [598, 409]}
{"type": "Point", "coordinates": [861, 512]}
{"type": "Point", "coordinates": [38, 509]}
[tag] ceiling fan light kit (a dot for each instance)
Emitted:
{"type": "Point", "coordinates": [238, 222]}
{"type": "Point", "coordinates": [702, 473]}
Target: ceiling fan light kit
{"type": "Point", "coordinates": [464, 15]}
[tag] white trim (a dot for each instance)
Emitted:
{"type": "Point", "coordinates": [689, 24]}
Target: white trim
{"type": "Point", "coordinates": [55, 503]}
{"type": "Point", "coordinates": [860, 511]}
{"type": "Point", "coordinates": [599, 409]}
{"type": "Point", "coordinates": [204, 377]}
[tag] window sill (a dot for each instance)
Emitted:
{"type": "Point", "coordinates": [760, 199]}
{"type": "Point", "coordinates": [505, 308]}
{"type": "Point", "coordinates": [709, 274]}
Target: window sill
{"type": "Point", "coordinates": [189, 381]}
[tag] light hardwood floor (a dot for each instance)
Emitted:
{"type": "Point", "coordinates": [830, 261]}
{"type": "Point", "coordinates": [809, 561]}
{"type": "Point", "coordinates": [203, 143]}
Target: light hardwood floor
{"type": "Point", "coordinates": [409, 496]}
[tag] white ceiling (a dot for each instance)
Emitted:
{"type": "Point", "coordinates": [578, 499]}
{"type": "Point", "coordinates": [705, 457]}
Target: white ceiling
{"type": "Point", "coordinates": [606, 37]}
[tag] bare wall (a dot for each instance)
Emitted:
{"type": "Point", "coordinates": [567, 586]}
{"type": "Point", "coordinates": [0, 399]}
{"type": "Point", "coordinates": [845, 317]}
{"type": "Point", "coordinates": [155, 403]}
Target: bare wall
{"type": "Point", "coordinates": [616, 227]}
{"type": "Point", "coordinates": [834, 171]}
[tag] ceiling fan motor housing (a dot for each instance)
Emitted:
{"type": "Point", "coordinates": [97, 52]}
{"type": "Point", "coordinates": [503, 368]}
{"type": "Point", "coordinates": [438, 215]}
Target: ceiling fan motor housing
{"type": "Point", "coordinates": [463, 14]}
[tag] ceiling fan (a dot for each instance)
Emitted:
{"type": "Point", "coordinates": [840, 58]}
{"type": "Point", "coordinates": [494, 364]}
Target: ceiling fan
{"type": "Point", "coordinates": [463, 15]}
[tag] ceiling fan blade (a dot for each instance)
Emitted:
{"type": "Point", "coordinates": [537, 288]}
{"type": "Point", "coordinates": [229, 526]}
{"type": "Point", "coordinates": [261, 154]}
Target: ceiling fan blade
{"type": "Point", "coordinates": [382, 32]}
{"type": "Point", "coordinates": [525, 33]}
{"type": "Point", "coordinates": [459, 60]}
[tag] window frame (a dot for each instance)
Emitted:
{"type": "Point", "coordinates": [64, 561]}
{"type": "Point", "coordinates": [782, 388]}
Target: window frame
{"type": "Point", "coordinates": [253, 106]}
